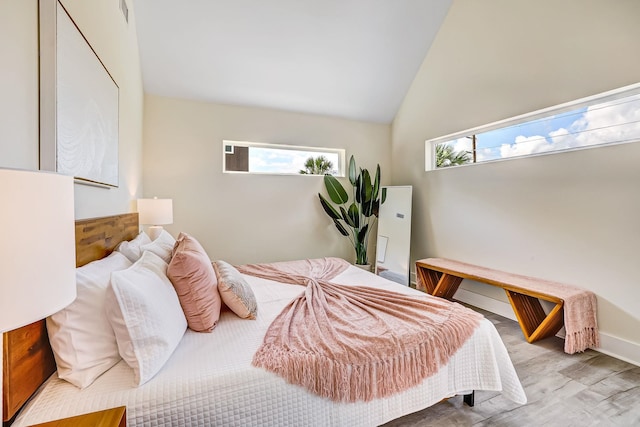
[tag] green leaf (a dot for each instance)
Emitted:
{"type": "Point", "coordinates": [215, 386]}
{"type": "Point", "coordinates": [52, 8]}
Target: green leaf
{"type": "Point", "coordinates": [366, 193]}
{"type": "Point", "coordinates": [347, 218]}
{"type": "Point", "coordinates": [375, 208]}
{"type": "Point", "coordinates": [367, 208]}
{"type": "Point", "coordinates": [384, 195]}
{"type": "Point", "coordinates": [328, 208]}
{"type": "Point", "coordinates": [352, 171]}
{"type": "Point", "coordinates": [362, 234]}
{"type": "Point", "coordinates": [354, 214]}
{"type": "Point", "coordinates": [341, 228]}
{"type": "Point", "coordinates": [358, 187]}
{"type": "Point", "coordinates": [336, 191]}
{"type": "Point", "coordinates": [367, 188]}
{"type": "Point", "coordinates": [376, 184]}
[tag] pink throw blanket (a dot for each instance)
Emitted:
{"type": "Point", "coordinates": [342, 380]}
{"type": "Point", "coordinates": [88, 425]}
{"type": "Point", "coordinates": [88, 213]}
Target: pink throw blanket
{"type": "Point", "coordinates": [579, 306]}
{"type": "Point", "coordinates": [351, 343]}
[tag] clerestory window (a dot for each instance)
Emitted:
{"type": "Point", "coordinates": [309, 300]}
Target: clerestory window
{"type": "Point", "coordinates": [608, 118]}
{"type": "Point", "coordinates": [260, 158]}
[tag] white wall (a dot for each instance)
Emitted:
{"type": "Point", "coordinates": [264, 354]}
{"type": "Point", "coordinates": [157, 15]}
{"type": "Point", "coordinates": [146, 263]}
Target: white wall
{"type": "Point", "coordinates": [249, 218]}
{"type": "Point", "coordinates": [570, 217]}
{"type": "Point", "coordinates": [19, 84]}
{"type": "Point", "coordinates": [115, 42]}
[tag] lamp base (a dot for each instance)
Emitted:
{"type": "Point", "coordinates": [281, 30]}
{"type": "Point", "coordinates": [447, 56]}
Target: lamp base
{"type": "Point", "coordinates": [154, 231]}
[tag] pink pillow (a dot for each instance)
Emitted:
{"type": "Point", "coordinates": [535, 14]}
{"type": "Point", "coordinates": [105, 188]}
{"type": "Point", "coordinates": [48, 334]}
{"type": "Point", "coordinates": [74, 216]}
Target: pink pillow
{"type": "Point", "coordinates": [195, 281]}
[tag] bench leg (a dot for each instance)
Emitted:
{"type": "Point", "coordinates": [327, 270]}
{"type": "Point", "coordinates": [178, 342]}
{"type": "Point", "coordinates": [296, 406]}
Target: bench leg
{"type": "Point", "coordinates": [534, 322]}
{"type": "Point", "coordinates": [447, 286]}
{"type": "Point", "coordinates": [469, 399]}
{"type": "Point", "coordinates": [436, 283]}
{"type": "Point", "coordinates": [427, 280]}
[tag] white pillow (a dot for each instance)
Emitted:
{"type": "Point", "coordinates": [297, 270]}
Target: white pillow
{"type": "Point", "coordinates": [132, 249]}
{"type": "Point", "coordinates": [81, 336]}
{"type": "Point", "coordinates": [161, 246]}
{"type": "Point", "coordinates": [146, 316]}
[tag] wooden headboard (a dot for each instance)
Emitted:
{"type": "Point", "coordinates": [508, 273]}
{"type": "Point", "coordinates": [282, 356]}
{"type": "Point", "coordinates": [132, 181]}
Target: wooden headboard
{"type": "Point", "coordinates": [28, 359]}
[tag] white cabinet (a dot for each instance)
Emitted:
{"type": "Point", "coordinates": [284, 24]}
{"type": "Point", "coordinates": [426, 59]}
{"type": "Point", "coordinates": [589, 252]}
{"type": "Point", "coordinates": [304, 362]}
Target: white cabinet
{"type": "Point", "coordinates": [394, 234]}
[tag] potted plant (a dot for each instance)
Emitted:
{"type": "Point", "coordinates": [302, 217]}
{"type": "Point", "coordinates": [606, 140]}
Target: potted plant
{"type": "Point", "coordinates": [354, 218]}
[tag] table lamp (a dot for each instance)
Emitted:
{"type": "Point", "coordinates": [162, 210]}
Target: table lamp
{"type": "Point", "coordinates": [155, 213]}
{"type": "Point", "coordinates": [38, 257]}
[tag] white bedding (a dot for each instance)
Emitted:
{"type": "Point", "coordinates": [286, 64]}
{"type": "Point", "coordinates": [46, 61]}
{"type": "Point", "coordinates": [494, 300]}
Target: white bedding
{"type": "Point", "coordinates": [209, 380]}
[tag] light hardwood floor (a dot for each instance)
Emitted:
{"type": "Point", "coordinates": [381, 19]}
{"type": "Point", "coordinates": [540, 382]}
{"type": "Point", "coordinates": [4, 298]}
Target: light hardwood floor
{"type": "Point", "coordinates": [585, 389]}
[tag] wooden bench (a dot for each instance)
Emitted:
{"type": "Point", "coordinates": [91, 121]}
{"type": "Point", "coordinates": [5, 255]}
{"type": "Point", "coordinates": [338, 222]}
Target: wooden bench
{"type": "Point", "coordinates": [441, 277]}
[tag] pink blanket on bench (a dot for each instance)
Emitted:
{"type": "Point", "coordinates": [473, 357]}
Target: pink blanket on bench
{"type": "Point", "coordinates": [579, 304]}
{"type": "Point", "coordinates": [351, 343]}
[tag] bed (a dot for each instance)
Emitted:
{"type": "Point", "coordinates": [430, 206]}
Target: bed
{"type": "Point", "coordinates": [209, 379]}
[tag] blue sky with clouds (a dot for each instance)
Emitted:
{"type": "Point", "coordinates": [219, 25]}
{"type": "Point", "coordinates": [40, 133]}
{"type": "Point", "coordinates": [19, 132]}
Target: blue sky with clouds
{"type": "Point", "coordinates": [490, 142]}
{"type": "Point", "coordinates": [605, 122]}
{"type": "Point", "coordinates": [283, 161]}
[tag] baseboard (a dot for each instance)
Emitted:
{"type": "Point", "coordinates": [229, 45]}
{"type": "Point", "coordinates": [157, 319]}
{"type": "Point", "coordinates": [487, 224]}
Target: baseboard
{"type": "Point", "coordinates": [490, 304]}
{"type": "Point", "coordinates": [481, 301]}
{"type": "Point", "coordinates": [610, 345]}
{"type": "Point", "coordinates": [619, 348]}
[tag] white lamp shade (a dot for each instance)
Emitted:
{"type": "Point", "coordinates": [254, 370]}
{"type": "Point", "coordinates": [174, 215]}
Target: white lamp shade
{"type": "Point", "coordinates": [38, 257]}
{"type": "Point", "coordinates": [155, 211]}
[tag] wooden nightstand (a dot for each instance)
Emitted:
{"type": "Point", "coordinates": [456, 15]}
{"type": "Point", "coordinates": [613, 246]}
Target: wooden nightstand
{"type": "Point", "coordinates": [114, 417]}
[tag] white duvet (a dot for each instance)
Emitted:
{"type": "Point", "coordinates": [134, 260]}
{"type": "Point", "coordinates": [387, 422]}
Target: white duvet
{"type": "Point", "coordinates": [209, 380]}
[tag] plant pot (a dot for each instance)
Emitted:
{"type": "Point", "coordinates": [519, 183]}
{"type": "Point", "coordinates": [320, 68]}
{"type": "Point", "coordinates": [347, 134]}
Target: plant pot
{"type": "Point", "coordinates": [366, 267]}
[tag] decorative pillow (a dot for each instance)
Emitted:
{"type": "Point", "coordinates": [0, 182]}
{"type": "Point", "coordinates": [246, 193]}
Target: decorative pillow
{"type": "Point", "coordinates": [145, 314]}
{"type": "Point", "coordinates": [235, 291]}
{"type": "Point", "coordinates": [132, 249]}
{"type": "Point", "coordinates": [161, 246]}
{"type": "Point", "coordinates": [195, 281]}
{"type": "Point", "coordinates": [81, 337]}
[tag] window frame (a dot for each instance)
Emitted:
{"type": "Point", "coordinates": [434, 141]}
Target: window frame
{"type": "Point", "coordinates": [341, 152]}
{"type": "Point", "coordinates": [430, 144]}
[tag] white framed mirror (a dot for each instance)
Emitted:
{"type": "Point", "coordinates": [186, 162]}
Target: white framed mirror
{"type": "Point", "coordinates": [394, 234]}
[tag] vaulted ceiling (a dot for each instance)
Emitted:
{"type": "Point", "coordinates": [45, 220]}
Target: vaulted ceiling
{"type": "Point", "coordinates": [347, 58]}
